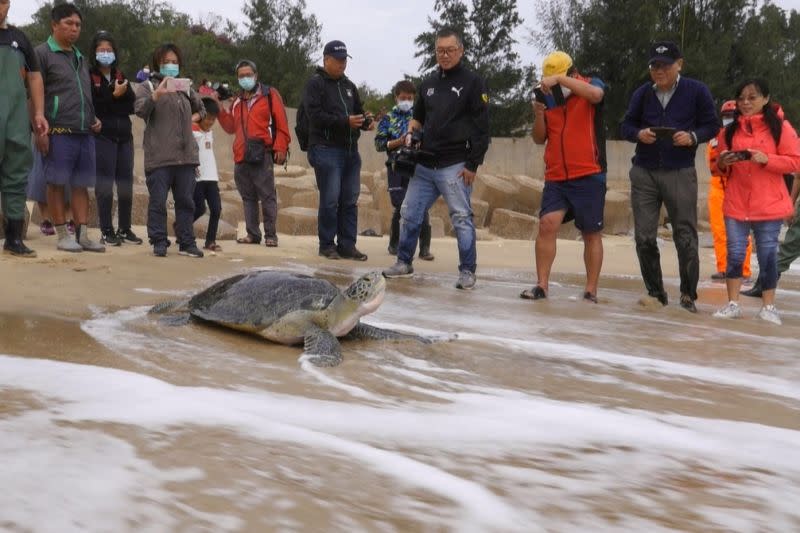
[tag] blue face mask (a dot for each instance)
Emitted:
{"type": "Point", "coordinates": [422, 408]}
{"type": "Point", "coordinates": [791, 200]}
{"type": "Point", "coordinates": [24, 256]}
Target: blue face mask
{"type": "Point", "coordinates": [170, 69]}
{"type": "Point", "coordinates": [247, 83]}
{"type": "Point", "coordinates": [106, 59]}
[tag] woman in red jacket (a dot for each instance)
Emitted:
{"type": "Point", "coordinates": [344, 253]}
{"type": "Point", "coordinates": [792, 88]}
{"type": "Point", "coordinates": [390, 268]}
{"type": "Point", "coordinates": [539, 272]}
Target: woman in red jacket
{"type": "Point", "coordinates": [756, 150]}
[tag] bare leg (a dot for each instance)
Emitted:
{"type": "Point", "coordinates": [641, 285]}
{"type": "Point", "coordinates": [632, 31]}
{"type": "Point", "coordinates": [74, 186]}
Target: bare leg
{"type": "Point", "coordinates": [768, 297]}
{"type": "Point", "coordinates": [546, 246]}
{"type": "Point", "coordinates": [733, 285]}
{"type": "Point", "coordinates": [55, 203]}
{"type": "Point", "coordinates": [593, 259]}
{"type": "Point", "coordinates": [80, 205]}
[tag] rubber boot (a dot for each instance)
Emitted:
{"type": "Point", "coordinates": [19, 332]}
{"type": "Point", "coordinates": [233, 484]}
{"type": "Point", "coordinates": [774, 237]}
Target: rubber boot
{"type": "Point", "coordinates": [14, 244]}
{"type": "Point", "coordinates": [394, 232]}
{"type": "Point", "coordinates": [82, 236]}
{"type": "Point", "coordinates": [425, 243]}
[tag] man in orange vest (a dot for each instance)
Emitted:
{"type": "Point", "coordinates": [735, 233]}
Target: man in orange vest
{"type": "Point", "coordinates": [716, 196]}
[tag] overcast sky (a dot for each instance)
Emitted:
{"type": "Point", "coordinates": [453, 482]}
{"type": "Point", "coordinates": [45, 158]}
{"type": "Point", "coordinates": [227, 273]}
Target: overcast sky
{"type": "Point", "coordinates": [379, 35]}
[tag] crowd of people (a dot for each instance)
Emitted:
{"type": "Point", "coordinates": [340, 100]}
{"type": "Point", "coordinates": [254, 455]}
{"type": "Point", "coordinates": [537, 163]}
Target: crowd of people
{"type": "Point", "coordinates": [435, 137]}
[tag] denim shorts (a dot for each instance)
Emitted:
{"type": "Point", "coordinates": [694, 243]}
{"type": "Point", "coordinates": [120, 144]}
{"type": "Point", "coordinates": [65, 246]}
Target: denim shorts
{"type": "Point", "coordinates": [583, 199]}
{"type": "Point", "coordinates": [71, 161]}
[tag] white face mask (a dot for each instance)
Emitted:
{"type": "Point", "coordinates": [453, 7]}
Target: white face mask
{"type": "Point", "coordinates": [726, 121]}
{"type": "Point", "coordinates": [405, 105]}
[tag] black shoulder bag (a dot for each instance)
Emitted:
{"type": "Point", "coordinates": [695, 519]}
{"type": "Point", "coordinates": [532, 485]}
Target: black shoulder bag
{"type": "Point", "coordinates": [254, 150]}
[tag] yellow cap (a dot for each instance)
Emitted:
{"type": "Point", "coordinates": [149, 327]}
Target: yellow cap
{"type": "Point", "coordinates": [556, 63]}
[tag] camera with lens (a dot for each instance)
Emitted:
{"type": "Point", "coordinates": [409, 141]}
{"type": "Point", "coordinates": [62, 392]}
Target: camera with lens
{"type": "Point", "coordinates": [223, 92]}
{"type": "Point", "coordinates": [406, 157]}
{"type": "Point", "coordinates": [367, 121]}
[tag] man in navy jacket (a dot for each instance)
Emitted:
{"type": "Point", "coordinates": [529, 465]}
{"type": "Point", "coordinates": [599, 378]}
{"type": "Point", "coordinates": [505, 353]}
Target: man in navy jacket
{"type": "Point", "coordinates": [667, 119]}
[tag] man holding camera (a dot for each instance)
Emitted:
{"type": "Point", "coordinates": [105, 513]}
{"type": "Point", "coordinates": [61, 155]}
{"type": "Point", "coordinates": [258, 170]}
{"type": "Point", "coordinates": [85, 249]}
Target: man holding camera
{"type": "Point", "coordinates": [257, 118]}
{"type": "Point", "coordinates": [335, 119]}
{"type": "Point", "coordinates": [667, 119]}
{"type": "Point", "coordinates": [568, 118]}
{"type": "Point", "coordinates": [452, 112]}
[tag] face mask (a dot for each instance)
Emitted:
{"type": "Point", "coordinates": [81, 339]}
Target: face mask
{"type": "Point", "coordinates": [566, 92]}
{"type": "Point", "coordinates": [405, 105]}
{"type": "Point", "coordinates": [208, 84]}
{"type": "Point", "coordinates": [247, 83]}
{"type": "Point", "coordinates": [170, 69]}
{"type": "Point", "coordinates": [726, 121]}
{"type": "Point", "coordinates": [146, 71]}
{"type": "Point", "coordinates": [105, 58]}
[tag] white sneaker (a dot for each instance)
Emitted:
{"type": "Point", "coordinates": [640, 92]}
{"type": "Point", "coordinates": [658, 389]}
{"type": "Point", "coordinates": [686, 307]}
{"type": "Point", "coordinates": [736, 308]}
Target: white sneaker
{"type": "Point", "coordinates": [732, 310]}
{"type": "Point", "coordinates": [770, 314]}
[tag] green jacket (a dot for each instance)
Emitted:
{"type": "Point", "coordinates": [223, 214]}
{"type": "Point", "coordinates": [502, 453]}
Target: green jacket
{"type": "Point", "coordinates": [67, 88]}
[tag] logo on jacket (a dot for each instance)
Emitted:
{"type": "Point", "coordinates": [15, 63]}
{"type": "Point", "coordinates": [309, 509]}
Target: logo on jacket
{"type": "Point", "coordinates": [457, 91]}
{"type": "Point", "coordinates": [430, 92]}
{"type": "Point", "coordinates": [349, 93]}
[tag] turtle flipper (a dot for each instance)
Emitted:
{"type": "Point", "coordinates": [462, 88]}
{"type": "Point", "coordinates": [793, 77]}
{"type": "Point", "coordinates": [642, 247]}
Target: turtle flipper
{"type": "Point", "coordinates": [322, 347]}
{"type": "Point", "coordinates": [366, 332]}
{"type": "Point", "coordinates": [173, 313]}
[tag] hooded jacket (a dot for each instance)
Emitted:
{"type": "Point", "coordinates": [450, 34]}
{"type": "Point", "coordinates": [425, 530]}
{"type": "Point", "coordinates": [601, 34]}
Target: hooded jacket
{"type": "Point", "coordinates": [114, 113]}
{"type": "Point", "coordinates": [754, 191]}
{"type": "Point", "coordinates": [329, 104]}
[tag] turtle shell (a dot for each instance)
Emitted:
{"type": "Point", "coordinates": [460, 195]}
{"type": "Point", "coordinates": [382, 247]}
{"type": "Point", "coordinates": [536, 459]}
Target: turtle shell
{"type": "Point", "coordinates": [254, 301]}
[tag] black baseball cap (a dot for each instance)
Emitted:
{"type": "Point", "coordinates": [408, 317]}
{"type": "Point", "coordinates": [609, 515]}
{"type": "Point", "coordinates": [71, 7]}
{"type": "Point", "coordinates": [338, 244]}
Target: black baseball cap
{"type": "Point", "coordinates": [664, 52]}
{"type": "Point", "coordinates": [336, 49]}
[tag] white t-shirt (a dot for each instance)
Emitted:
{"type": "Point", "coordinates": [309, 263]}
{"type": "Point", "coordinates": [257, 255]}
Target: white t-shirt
{"type": "Point", "coordinates": [208, 164]}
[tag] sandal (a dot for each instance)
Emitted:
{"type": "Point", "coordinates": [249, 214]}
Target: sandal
{"type": "Point", "coordinates": [271, 243]}
{"type": "Point", "coordinates": [213, 247]}
{"type": "Point", "coordinates": [537, 293]}
{"type": "Point", "coordinates": [247, 239]}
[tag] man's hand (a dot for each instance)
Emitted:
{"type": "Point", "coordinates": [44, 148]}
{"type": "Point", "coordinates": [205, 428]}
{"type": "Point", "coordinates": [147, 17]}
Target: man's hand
{"type": "Point", "coordinates": [550, 81]}
{"type": "Point", "coordinates": [682, 138]}
{"type": "Point", "coordinates": [120, 88]}
{"type": "Point", "coordinates": [646, 136]}
{"type": "Point", "coordinates": [40, 125]}
{"type": "Point", "coordinates": [356, 121]}
{"type": "Point", "coordinates": [43, 144]}
{"type": "Point", "coordinates": [279, 158]}
{"type": "Point", "coordinates": [468, 176]}
{"type": "Point", "coordinates": [97, 126]}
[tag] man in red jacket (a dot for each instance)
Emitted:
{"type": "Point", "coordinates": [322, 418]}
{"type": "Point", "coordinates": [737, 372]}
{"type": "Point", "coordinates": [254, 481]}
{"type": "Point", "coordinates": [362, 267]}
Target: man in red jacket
{"type": "Point", "coordinates": [258, 119]}
{"type": "Point", "coordinates": [568, 118]}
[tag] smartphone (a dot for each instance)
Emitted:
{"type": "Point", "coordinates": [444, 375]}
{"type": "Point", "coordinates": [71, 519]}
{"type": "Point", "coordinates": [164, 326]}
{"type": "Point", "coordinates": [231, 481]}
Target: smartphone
{"type": "Point", "coordinates": [178, 85]}
{"type": "Point", "coordinates": [663, 132]}
{"type": "Point", "coordinates": [742, 155]}
{"type": "Point", "coordinates": [554, 99]}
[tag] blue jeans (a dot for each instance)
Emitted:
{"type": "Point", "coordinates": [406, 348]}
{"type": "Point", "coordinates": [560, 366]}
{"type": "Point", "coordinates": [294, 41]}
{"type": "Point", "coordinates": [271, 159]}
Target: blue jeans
{"type": "Point", "coordinates": [338, 173]}
{"type": "Point", "coordinates": [424, 188]}
{"type": "Point", "coordinates": [766, 236]}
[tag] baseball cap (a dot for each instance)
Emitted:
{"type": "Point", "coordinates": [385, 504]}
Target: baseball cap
{"type": "Point", "coordinates": [556, 63]}
{"type": "Point", "coordinates": [664, 52]}
{"type": "Point", "coordinates": [336, 49]}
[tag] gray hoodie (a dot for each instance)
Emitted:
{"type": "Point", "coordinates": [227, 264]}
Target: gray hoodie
{"type": "Point", "coordinates": [168, 139]}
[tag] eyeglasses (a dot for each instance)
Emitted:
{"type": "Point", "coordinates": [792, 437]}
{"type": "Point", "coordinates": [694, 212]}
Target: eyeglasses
{"type": "Point", "coordinates": [659, 66]}
{"type": "Point", "coordinates": [447, 51]}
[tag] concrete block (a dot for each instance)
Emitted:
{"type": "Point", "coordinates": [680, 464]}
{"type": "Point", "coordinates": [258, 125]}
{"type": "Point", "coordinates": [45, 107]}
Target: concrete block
{"type": "Point", "coordinates": [498, 192]}
{"type": "Point", "coordinates": [514, 225]}
{"type": "Point", "coordinates": [618, 215]}
{"type": "Point", "coordinates": [369, 219]}
{"type": "Point", "coordinates": [288, 187]}
{"type": "Point", "coordinates": [297, 221]}
{"type": "Point", "coordinates": [366, 201]}
{"type": "Point", "coordinates": [437, 227]}
{"type": "Point", "coordinates": [529, 199]}
{"type": "Point", "coordinates": [306, 199]}
{"type": "Point", "coordinates": [225, 231]}
{"type": "Point", "coordinates": [292, 171]}
{"type": "Point", "coordinates": [480, 212]}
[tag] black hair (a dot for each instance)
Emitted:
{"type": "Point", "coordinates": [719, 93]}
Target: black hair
{"type": "Point", "coordinates": [162, 50]}
{"type": "Point", "coordinates": [446, 32]}
{"type": "Point", "coordinates": [62, 11]}
{"type": "Point", "coordinates": [771, 118]}
{"type": "Point", "coordinates": [96, 40]}
{"type": "Point", "coordinates": [212, 108]}
{"type": "Point", "coordinates": [403, 86]}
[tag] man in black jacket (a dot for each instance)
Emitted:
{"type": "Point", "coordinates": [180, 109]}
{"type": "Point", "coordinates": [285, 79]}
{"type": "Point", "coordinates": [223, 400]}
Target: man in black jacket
{"type": "Point", "coordinates": [336, 116]}
{"type": "Point", "coordinates": [452, 112]}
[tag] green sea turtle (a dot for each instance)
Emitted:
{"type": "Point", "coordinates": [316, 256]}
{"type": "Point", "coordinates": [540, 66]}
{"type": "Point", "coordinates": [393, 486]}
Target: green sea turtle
{"type": "Point", "coordinates": [290, 308]}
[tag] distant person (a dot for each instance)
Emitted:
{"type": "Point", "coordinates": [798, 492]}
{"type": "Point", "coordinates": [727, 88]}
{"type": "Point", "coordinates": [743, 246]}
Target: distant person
{"type": "Point", "coordinates": [667, 119]}
{"type": "Point", "coordinates": [143, 74]}
{"type": "Point", "coordinates": [205, 88]}
{"type": "Point", "coordinates": [756, 150]}
{"type": "Point", "coordinates": [170, 151]}
{"type": "Point", "coordinates": [575, 168]}
{"type": "Point", "coordinates": [336, 118]}
{"type": "Point", "coordinates": [206, 190]}
{"type": "Point", "coordinates": [789, 249]}
{"type": "Point", "coordinates": [258, 120]}
{"type": "Point", "coordinates": [452, 114]}
{"type": "Point", "coordinates": [69, 150]}
{"type": "Point", "coordinates": [19, 66]}
{"type": "Point", "coordinates": [716, 197]}
{"type": "Point", "coordinates": [113, 99]}
{"type": "Point", "coordinates": [390, 137]}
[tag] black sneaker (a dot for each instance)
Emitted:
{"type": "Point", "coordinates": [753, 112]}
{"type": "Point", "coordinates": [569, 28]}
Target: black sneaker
{"type": "Point", "coordinates": [392, 250]}
{"type": "Point", "coordinates": [128, 235]}
{"type": "Point", "coordinates": [754, 292]}
{"type": "Point", "coordinates": [329, 253]}
{"type": "Point", "coordinates": [160, 249]}
{"type": "Point", "coordinates": [111, 238]}
{"type": "Point", "coordinates": [191, 251]}
{"type": "Point", "coordinates": [353, 254]}
{"type": "Point", "coordinates": [688, 304]}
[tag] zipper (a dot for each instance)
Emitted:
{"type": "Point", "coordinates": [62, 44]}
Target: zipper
{"type": "Point", "coordinates": [55, 107]}
{"type": "Point", "coordinates": [563, 152]}
{"type": "Point", "coordinates": [347, 113]}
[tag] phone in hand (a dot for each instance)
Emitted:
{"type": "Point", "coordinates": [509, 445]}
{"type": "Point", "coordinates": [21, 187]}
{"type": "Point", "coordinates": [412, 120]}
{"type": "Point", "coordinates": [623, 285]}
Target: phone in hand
{"type": "Point", "coordinates": [554, 99]}
{"type": "Point", "coordinates": [663, 132]}
{"type": "Point", "coordinates": [178, 85]}
{"type": "Point", "coordinates": [742, 155]}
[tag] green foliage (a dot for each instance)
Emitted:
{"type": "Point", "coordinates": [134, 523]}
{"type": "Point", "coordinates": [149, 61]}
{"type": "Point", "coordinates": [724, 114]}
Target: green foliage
{"type": "Point", "coordinates": [723, 42]}
{"type": "Point", "coordinates": [487, 29]}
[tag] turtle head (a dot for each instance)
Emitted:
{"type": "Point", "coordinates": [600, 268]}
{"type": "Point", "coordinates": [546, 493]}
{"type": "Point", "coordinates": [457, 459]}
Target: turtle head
{"type": "Point", "coordinates": [367, 292]}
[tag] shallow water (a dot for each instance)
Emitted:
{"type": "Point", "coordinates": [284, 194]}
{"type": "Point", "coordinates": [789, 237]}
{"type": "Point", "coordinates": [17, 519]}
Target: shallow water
{"type": "Point", "coordinates": [545, 416]}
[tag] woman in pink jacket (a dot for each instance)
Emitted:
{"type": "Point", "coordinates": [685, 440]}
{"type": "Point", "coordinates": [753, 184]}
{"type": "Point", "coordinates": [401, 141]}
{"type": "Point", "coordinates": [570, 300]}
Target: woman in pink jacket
{"type": "Point", "coordinates": [756, 150]}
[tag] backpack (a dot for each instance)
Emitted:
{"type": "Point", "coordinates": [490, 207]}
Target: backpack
{"type": "Point", "coordinates": [301, 127]}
